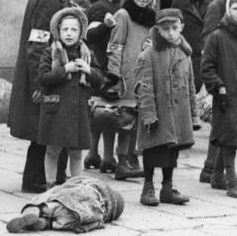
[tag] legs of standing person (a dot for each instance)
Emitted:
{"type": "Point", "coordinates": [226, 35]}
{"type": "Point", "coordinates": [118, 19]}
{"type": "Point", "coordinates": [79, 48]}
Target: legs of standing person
{"type": "Point", "coordinates": [62, 166]}
{"type": "Point", "coordinates": [133, 159]}
{"type": "Point", "coordinates": [75, 156]}
{"type": "Point", "coordinates": [218, 180]}
{"type": "Point", "coordinates": [167, 193]}
{"type": "Point", "coordinates": [148, 192]}
{"type": "Point", "coordinates": [92, 158]}
{"type": "Point", "coordinates": [123, 169]}
{"type": "Point", "coordinates": [228, 155]}
{"type": "Point", "coordinates": [108, 163]}
{"type": "Point", "coordinates": [51, 163]}
{"type": "Point", "coordinates": [205, 176]}
{"type": "Point", "coordinates": [33, 174]}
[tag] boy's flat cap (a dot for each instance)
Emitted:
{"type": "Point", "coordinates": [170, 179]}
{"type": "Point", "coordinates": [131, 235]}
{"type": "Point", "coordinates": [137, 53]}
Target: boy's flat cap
{"type": "Point", "coordinates": [168, 14]}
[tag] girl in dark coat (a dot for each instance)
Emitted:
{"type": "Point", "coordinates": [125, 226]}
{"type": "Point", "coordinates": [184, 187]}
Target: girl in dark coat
{"type": "Point", "coordinates": [67, 72]}
{"type": "Point", "coordinates": [219, 75]}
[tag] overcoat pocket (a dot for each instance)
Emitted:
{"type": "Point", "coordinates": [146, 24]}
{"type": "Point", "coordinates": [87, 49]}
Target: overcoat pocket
{"type": "Point", "coordinates": [51, 103]}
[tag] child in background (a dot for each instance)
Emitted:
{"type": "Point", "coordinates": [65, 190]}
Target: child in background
{"type": "Point", "coordinates": [67, 72]}
{"type": "Point", "coordinates": [167, 104]}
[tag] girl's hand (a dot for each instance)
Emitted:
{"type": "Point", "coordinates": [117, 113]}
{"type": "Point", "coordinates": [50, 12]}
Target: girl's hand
{"type": "Point", "coordinates": [83, 66]}
{"type": "Point", "coordinates": [109, 20]}
{"type": "Point", "coordinates": [72, 66]}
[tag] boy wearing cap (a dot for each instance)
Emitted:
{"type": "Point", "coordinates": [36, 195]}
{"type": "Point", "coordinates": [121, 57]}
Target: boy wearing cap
{"type": "Point", "coordinates": [167, 105]}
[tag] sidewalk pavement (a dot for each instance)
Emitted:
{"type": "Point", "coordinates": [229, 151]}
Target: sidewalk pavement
{"type": "Point", "coordinates": [209, 212]}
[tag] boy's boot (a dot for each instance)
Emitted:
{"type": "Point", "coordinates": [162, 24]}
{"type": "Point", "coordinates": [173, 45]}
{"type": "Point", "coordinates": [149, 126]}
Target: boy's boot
{"type": "Point", "coordinates": [134, 163]}
{"type": "Point", "coordinates": [148, 197]}
{"type": "Point", "coordinates": [124, 170]}
{"type": "Point", "coordinates": [92, 158]}
{"type": "Point", "coordinates": [169, 195]}
{"type": "Point", "coordinates": [229, 163]}
{"type": "Point", "coordinates": [231, 182]}
{"type": "Point", "coordinates": [20, 223]}
{"type": "Point", "coordinates": [205, 176]}
{"type": "Point", "coordinates": [218, 180]}
{"type": "Point", "coordinates": [41, 224]}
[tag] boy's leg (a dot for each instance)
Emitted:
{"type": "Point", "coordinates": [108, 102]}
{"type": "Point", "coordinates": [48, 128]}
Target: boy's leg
{"type": "Point", "coordinates": [92, 158]}
{"type": "Point", "coordinates": [108, 163]}
{"type": "Point", "coordinates": [228, 155]}
{"type": "Point", "coordinates": [218, 179]}
{"type": "Point", "coordinates": [51, 163]}
{"type": "Point", "coordinates": [148, 192]}
{"type": "Point", "coordinates": [75, 161]}
{"type": "Point", "coordinates": [133, 159]}
{"type": "Point", "coordinates": [205, 176]}
{"type": "Point", "coordinates": [62, 166]}
{"type": "Point", "coordinates": [123, 169]}
{"type": "Point", "coordinates": [167, 193]}
{"type": "Point", "coordinates": [29, 216]}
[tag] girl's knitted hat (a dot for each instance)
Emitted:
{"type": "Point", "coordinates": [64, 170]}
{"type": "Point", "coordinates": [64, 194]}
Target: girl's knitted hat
{"type": "Point", "coordinates": [57, 17]}
{"type": "Point", "coordinates": [59, 55]}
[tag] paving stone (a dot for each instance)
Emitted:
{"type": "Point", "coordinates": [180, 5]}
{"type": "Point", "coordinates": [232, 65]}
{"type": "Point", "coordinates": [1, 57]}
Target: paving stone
{"type": "Point", "coordinates": [155, 221]}
{"type": "Point", "coordinates": [220, 230]}
{"type": "Point", "coordinates": [109, 230]}
{"type": "Point", "coordinates": [198, 209]}
{"type": "Point", "coordinates": [220, 221]}
{"type": "Point", "coordinates": [183, 232]}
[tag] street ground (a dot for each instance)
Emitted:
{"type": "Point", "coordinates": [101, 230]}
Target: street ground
{"type": "Point", "coordinates": [209, 213]}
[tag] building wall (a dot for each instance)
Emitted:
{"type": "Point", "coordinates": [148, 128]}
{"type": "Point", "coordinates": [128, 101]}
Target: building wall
{"type": "Point", "coordinates": [11, 12]}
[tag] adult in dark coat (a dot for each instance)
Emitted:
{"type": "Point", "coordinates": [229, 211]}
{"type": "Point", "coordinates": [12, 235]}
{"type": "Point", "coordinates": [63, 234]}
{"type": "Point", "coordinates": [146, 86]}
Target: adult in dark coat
{"type": "Point", "coordinates": [193, 13]}
{"type": "Point", "coordinates": [219, 75]}
{"type": "Point", "coordinates": [24, 103]}
{"type": "Point", "coordinates": [215, 11]}
{"type": "Point", "coordinates": [98, 36]}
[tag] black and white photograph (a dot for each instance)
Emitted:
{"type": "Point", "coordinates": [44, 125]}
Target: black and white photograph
{"type": "Point", "coordinates": [118, 117]}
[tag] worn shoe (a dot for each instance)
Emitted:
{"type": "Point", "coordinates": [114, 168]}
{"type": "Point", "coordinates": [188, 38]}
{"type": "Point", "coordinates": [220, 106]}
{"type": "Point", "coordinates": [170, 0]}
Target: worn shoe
{"type": "Point", "coordinates": [124, 170]}
{"type": "Point", "coordinates": [92, 161]}
{"type": "Point", "coordinates": [232, 192]}
{"type": "Point", "coordinates": [20, 223]}
{"type": "Point", "coordinates": [108, 166]}
{"type": "Point", "coordinates": [33, 188]}
{"type": "Point", "coordinates": [169, 195]}
{"type": "Point", "coordinates": [148, 197]}
{"type": "Point", "coordinates": [41, 224]}
{"type": "Point", "coordinates": [218, 181]}
{"type": "Point", "coordinates": [134, 163]}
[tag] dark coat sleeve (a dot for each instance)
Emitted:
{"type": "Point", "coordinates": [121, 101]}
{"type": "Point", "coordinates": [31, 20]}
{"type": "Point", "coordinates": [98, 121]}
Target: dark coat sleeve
{"type": "Point", "coordinates": [97, 13]}
{"type": "Point", "coordinates": [209, 65]}
{"type": "Point", "coordinates": [40, 19]}
{"type": "Point", "coordinates": [96, 77]}
{"type": "Point", "coordinates": [47, 76]}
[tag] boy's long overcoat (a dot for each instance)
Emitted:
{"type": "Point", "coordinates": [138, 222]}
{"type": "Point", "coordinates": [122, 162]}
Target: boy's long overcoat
{"type": "Point", "coordinates": [219, 69]}
{"type": "Point", "coordinates": [23, 113]}
{"type": "Point", "coordinates": [166, 92]}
